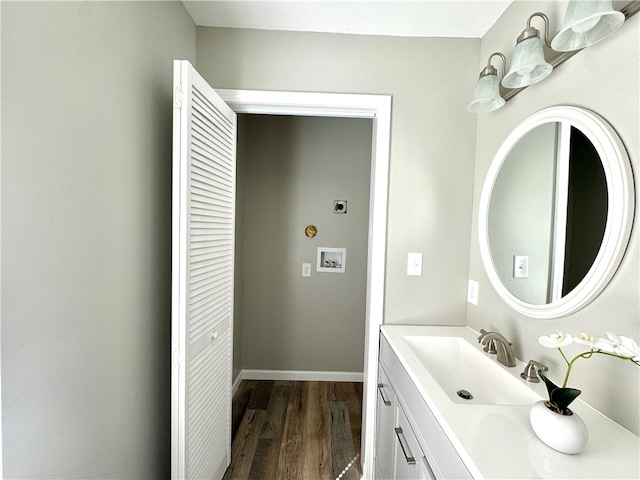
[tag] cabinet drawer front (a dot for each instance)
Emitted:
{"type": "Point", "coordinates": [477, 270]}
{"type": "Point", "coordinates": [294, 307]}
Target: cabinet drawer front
{"type": "Point", "coordinates": [442, 457]}
{"type": "Point", "coordinates": [410, 462]}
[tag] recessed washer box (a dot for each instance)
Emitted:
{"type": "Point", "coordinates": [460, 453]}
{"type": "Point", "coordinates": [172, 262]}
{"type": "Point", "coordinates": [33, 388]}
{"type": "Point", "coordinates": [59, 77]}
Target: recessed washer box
{"type": "Point", "coordinates": [331, 260]}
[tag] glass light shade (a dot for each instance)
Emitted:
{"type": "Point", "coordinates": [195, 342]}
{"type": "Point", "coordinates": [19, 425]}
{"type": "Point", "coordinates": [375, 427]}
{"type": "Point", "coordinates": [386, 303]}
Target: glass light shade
{"type": "Point", "coordinates": [586, 23]}
{"type": "Point", "coordinates": [486, 97]}
{"type": "Point", "coordinates": [528, 65]}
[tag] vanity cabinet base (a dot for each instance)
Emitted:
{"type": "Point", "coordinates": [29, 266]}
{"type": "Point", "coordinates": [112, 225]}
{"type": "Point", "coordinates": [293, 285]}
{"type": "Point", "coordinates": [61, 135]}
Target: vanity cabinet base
{"type": "Point", "coordinates": [415, 447]}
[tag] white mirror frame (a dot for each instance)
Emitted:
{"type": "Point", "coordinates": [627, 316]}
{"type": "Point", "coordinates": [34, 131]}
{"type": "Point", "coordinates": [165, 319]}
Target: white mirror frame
{"type": "Point", "coordinates": [621, 198]}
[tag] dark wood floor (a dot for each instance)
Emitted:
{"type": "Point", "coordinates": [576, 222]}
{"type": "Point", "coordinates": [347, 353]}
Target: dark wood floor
{"type": "Point", "coordinates": [296, 431]}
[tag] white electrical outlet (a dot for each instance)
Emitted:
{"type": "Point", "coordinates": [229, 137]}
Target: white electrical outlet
{"type": "Point", "coordinates": [414, 264]}
{"type": "Point", "coordinates": [472, 292]}
{"type": "Point", "coordinates": [306, 269]}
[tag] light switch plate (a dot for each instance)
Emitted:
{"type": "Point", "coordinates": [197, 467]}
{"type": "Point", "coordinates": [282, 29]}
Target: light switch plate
{"type": "Point", "coordinates": [414, 264]}
{"type": "Point", "coordinates": [520, 266]}
{"type": "Point", "coordinates": [472, 292]}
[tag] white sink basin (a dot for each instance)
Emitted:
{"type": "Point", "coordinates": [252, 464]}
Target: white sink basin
{"type": "Point", "coordinates": [456, 365]}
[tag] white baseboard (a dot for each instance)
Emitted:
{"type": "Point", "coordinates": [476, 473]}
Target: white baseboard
{"type": "Point", "coordinates": [293, 375]}
{"type": "Point", "coordinates": [236, 383]}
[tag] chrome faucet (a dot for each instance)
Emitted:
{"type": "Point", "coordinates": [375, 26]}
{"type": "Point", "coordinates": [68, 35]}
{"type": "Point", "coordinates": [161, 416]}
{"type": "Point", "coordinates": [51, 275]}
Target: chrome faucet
{"type": "Point", "coordinates": [502, 346]}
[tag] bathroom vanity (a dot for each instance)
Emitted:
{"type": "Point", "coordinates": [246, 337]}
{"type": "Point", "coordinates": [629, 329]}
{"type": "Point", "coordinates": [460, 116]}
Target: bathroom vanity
{"type": "Point", "coordinates": [425, 430]}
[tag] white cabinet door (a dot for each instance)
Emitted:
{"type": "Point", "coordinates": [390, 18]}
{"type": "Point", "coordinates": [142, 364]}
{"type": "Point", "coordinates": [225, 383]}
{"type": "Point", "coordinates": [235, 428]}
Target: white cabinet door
{"type": "Point", "coordinates": [385, 421]}
{"type": "Point", "coordinates": [203, 208]}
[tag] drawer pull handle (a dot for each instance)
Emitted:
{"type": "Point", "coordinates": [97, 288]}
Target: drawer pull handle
{"type": "Point", "coordinates": [405, 448]}
{"type": "Point", "coordinates": [387, 403]}
{"type": "Point", "coordinates": [427, 465]}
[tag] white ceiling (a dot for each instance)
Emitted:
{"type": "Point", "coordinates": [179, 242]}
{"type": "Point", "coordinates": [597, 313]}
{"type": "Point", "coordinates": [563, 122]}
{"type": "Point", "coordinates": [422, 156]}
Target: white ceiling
{"type": "Point", "coordinates": [419, 18]}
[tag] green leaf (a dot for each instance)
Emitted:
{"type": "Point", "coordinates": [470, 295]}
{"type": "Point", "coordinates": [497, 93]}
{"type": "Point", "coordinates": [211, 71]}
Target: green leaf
{"type": "Point", "coordinates": [562, 397]}
{"type": "Point", "coordinates": [559, 397]}
{"type": "Point", "coordinates": [550, 385]}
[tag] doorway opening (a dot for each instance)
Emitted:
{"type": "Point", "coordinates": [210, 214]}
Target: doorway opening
{"type": "Point", "coordinates": [292, 324]}
{"type": "Point", "coordinates": [378, 109]}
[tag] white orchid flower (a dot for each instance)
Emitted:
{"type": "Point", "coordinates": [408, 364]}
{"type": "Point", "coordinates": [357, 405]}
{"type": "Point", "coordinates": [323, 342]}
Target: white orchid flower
{"type": "Point", "coordinates": [556, 340]}
{"type": "Point", "coordinates": [613, 344]}
{"type": "Point", "coordinates": [624, 346]}
{"type": "Point", "coordinates": [584, 339]}
{"type": "Point", "coordinates": [603, 344]}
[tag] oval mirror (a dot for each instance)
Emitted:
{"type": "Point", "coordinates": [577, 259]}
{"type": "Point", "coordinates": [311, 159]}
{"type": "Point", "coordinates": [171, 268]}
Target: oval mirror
{"type": "Point", "coordinates": [556, 212]}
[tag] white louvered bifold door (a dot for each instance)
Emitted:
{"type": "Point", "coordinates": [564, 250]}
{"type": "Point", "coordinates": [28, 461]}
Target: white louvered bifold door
{"type": "Point", "coordinates": [204, 146]}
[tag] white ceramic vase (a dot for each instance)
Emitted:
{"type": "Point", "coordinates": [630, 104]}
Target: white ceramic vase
{"type": "Point", "coordinates": [564, 433]}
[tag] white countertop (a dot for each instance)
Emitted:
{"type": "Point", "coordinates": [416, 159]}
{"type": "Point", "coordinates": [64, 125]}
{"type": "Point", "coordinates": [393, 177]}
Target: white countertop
{"type": "Point", "coordinates": [498, 442]}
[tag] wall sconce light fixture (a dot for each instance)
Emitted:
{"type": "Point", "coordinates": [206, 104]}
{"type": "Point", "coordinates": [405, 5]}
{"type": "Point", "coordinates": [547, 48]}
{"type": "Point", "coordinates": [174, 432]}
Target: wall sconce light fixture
{"type": "Point", "coordinates": [486, 97]}
{"type": "Point", "coordinates": [586, 23]}
{"type": "Point", "coordinates": [528, 65]}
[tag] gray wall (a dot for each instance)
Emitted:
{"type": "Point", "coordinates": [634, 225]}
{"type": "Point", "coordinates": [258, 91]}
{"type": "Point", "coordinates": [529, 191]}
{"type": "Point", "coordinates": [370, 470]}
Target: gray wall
{"type": "Point", "coordinates": [292, 169]}
{"type": "Point", "coordinates": [602, 78]}
{"type": "Point", "coordinates": [432, 144]}
{"type": "Point", "coordinates": [86, 236]}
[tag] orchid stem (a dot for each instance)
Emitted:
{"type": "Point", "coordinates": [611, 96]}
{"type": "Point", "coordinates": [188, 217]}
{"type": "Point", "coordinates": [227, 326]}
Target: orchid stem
{"type": "Point", "coordinates": [588, 354]}
{"type": "Point", "coordinates": [569, 365]}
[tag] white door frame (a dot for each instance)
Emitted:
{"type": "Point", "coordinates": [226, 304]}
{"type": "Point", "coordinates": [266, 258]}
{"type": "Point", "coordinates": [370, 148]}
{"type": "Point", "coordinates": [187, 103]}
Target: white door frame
{"type": "Point", "coordinates": [378, 108]}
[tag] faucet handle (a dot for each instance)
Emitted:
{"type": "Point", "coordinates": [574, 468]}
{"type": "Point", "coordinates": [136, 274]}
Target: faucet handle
{"type": "Point", "coordinates": [530, 370]}
{"type": "Point", "coordinates": [483, 333]}
{"type": "Point", "coordinates": [490, 347]}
